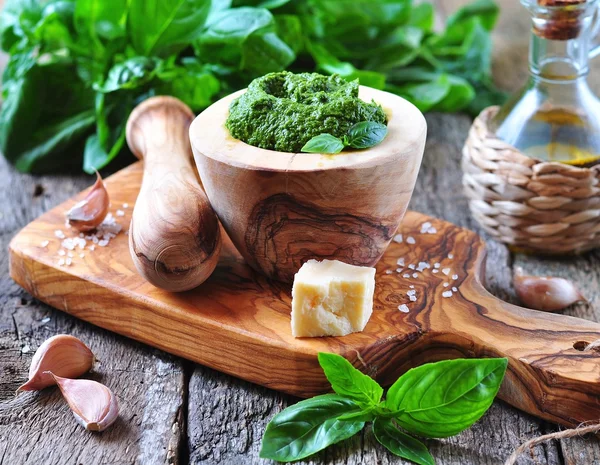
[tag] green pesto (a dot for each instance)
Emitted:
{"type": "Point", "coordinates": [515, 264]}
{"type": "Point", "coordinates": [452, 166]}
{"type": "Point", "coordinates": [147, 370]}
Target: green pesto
{"type": "Point", "coordinates": [283, 111]}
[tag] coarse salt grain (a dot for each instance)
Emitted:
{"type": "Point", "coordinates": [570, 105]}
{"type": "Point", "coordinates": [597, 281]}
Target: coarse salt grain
{"type": "Point", "coordinates": [125, 205]}
{"type": "Point", "coordinates": [454, 289]}
{"type": "Point", "coordinates": [415, 275]}
{"type": "Point", "coordinates": [432, 230]}
{"type": "Point", "coordinates": [400, 261]}
{"type": "Point", "coordinates": [434, 271]}
{"type": "Point", "coordinates": [92, 247]}
{"type": "Point", "coordinates": [70, 254]}
{"type": "Point", "coordinates": [45, 320]}
{"type": "Point", "coordinates": [411, 292]}
{"type": "Point", "coordinates": [25, 349]}
{"type": "Point", "coordinates": [412, 286]}
{"type": "Point", "coordinates": [68, 261]}
{"type": "Point", "coordinates": [446, 284]}
{"type": "Point", "coordinates": [413, 298]}
{"type": "Point", "coordinates": [58, 233]}
{"type": "Point", "coordinates": [120, 213]}
{"type": "Point", "coordinates": [450, 256]}
{"type": "Point", "coordinates": [61, 252]}
{"type": "Point", "coordinates": [425, 226]}
{"type": "Point", "coordinates": [446, 271]}
{"type": "Point", "coordinates": [423, 266]}
{"type": "Point", "coordinates": [45, 243]}
{"type": "Point", "coordinates": [82, 255]}
{"type": "Point", "coordinates": [399, 270]}
{"type": "Point", "coordinates": [388, 271]}
{"type": "Point", "coordinates": [455, 276]}
{"type": "Point", "coordinates": [410, 240]}
{"type": "Point", "coordinates": [412, 266]}
{"type": "Point", "coordinates": [61, 262]}
{"type": "Point", "coordinates": [103, 243]}
{"type": "Point", "coordinates": [436, 265]}
{"type": "Point", "coordinates": [398, 238]}
{"type": "Point", "coordinates": [406, 275]}
{"type": "Point", "coordinates": [403, 308]}
{"type": "Point", "coordinates": [447, 294]}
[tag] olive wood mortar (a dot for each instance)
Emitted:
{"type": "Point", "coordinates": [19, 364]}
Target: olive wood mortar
{"type": "Point", "coordinates": [174, 237]}
{"type": "Point", "coordinates": [281, 209]}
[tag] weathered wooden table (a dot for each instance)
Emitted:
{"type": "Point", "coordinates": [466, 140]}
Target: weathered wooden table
{"type": "Point", "coordinates": [176, 412]}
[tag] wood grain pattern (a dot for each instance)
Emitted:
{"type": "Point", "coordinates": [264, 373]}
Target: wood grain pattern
{"type": "Point", "coordinates": [238, 321]}
{"type": "Point", "coordinates": [281, 209]}
{"type": "Point", "coordinates": [174, 237]}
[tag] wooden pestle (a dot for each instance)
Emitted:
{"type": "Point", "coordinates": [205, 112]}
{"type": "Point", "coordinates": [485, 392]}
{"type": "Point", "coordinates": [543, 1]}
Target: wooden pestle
{"type": "Point", "coordinates": [174, 238]}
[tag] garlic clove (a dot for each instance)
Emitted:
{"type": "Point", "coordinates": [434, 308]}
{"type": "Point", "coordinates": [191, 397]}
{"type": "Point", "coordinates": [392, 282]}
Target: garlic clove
{"type": "Point", "coordinates": [94, 406]}
{"type": "Point", "coordinates": [87, 214]}
{"type": "Point", "coordinates": [546, 293]}
{"type": "Point", "coordinates": [63, 355]}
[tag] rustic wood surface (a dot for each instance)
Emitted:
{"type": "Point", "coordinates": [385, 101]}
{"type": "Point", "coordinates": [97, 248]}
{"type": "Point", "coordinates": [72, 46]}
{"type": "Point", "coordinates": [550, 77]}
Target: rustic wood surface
{"type": "Point", "coordinates": [239, 313]}
{"type": "Point", "coordinates": [279, 209]}
{"type": "Point", "coordinates": [177, 411]}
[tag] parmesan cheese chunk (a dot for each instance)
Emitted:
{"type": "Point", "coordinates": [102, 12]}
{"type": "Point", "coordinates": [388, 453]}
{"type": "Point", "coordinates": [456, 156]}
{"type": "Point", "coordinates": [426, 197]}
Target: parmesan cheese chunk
{"type": "Point", "coordinates": [331, 298]}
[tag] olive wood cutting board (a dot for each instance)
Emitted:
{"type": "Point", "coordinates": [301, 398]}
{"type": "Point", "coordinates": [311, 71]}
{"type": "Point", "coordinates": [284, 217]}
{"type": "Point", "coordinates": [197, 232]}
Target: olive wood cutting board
{"type": "Point", "coordinates": [238, 322]}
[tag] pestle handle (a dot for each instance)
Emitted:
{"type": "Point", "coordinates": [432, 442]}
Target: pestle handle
{"type": "Point", "coordinates": [174, 238]}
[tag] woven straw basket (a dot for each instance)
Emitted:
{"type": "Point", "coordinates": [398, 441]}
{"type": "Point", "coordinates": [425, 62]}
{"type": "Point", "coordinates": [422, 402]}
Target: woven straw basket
{"type": "Point", "coordinates": [526, 202]}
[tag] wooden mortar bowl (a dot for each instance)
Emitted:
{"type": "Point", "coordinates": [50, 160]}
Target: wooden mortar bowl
{"type": "Point", "coordinates": [281, 209]}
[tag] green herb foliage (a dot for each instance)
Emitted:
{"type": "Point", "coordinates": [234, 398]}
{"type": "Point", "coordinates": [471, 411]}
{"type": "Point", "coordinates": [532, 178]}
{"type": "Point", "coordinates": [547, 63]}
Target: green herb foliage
{"type": "Point", "coordinates": [360, 136]}
{"type": "Point", "coordinates": [435, 400]}
{"type": "Point", "coordinates": [78, 67]}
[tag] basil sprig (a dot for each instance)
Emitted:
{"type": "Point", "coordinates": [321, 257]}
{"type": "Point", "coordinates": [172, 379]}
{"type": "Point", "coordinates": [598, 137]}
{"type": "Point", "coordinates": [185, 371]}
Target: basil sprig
{"type": "Point", "coordinates": [435, 400]}
{"type": "Point", "coordinates": [362, 135]}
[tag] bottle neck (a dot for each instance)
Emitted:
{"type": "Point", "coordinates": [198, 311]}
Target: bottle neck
{"type": "Point", "coordinates": [560, 43]}
{"type": "Point", "coordinates": [559, 60]}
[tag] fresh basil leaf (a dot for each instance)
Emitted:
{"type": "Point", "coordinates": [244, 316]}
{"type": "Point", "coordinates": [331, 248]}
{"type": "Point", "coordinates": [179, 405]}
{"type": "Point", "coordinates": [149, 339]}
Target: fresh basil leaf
{"type": "Point", "coordinates": [234, 25]}
{"type": "Point", "coordinates": [399, 443]}
{"type": "Point", "coordinates": [101, 19]}
{"type": "Point", "coordinates": [268, 4]}
{"type": "Point", "coordinates": [425, 95]}
{"type": "Point", "coordinates": [162, 27]}
{"type": "Point", "coordinates": [223, 39]}
{"type": "Point", "coordinates": [17, 20]}
{"type": "Point", "coordinates": [364, 415]}
{"type": "Point", "coordinates": [422, 16]}
{"type": "Point", "coordinates": [130, 74]}
{"type": "Point", "coordinates": [349, 382]}
{"type": "Point", "coordinates": [264, 53]}
{"type": "Point", "coordinates": [289, 29]}
{"type": "Point", "coordinates": [442, 399]}
{"type": "Point", "coordinates": [191, 83]}
{"type": "Point", "coordinates": [308, 427]}
{"type": "Point", "coordinates": [96, 157]}
{"type": "Point", "coordinates": [323, 143]}
{"type": "Point", "coordinates": [43, 113]}
{"type": "Point", "coordinates": [366, 134]}
{"type": "Point", "coordinates": [329, 64]}
{"type": "Point", "coordinates": [486, 10]}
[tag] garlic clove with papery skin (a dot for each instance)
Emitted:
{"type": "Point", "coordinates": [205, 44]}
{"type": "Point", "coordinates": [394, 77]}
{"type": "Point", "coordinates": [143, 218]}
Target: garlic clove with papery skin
{"type": "Point", "coordinates": [94, 406]}
{"type": "Point", "coordinates": [87, 214]}
{"type": "Point", "coordinates": [63, 355]}
{"type": "Point", "coordinates": [547, 293]}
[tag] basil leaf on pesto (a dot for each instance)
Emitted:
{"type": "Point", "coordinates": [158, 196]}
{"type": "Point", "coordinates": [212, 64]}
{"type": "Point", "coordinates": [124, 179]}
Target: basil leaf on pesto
{"type": "Point", "coordinates": [323, 143]}
{"type": "Point", "coordinates": [366, 134]}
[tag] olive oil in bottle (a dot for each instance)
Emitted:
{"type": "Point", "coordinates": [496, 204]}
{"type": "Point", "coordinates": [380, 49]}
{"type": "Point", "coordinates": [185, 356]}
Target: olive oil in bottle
{"type": "Point", "coordinates": [556, 117]}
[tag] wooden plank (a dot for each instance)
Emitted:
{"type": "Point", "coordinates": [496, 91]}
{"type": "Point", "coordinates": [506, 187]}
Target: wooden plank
{"type": "Point", "coordinates": [238, 322]}
{"type": "Point", "coordinates": [38, 427]}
